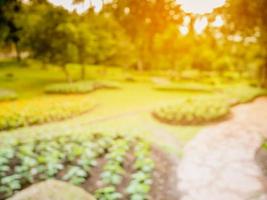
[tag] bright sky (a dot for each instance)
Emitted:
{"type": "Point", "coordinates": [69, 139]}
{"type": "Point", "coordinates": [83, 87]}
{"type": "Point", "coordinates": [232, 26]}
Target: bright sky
{"type": "Point", "coordinates": [200, 6]}
{"type": "Point", "coordinates": [190, 6]}
{"type": "Point", "coordinates": [80, 8]}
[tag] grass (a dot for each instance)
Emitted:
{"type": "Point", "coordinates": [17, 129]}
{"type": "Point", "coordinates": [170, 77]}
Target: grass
{"type": "Point", "coordinates": [30, 81]}
{"type": "Point", "coordinates": [128, 108]}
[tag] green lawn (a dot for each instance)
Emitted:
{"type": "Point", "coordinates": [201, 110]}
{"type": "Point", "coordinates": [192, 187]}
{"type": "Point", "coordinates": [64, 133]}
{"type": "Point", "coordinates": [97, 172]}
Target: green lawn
{"type": "Point", "coordinates": [127, 108]}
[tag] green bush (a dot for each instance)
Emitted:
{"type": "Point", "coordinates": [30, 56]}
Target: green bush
{"type": "Point", "coordinates": [243, 94]}
{"type": "Point", "coordinates": [190, 87]}
{"type": "Point", "coordinates": [41, 110]}
{"type": "Point", "coordinates": [80, 87]}
{"type": "Point", "coordinates": [6, 95]}
{"type": "Point", "coordinates": [193, 110]}
{"type": "Point", "coordinates": [71, 88]}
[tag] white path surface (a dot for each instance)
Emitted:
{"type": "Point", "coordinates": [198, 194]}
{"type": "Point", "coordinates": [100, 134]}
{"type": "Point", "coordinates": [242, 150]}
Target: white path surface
{"type": "Point", "coordinates": [219, 163]}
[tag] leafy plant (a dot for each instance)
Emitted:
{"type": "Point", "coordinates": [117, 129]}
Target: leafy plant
{"type": "Point", "coordinates": [194, 110]}
{"type": "Point", "coordinates": [41, 110]}
{"type": "Point", "coordinates": [113, 170]}
{"type": "Point", "coordinates": [107, 193]}
{"type": "Point", "coordinates": [139, 186]}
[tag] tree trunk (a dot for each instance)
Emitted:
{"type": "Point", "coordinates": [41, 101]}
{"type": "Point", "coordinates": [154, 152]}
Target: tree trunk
{"type": "Point", "coordinates": [44, 66]}
{"type": "Point", "coordinates": [18, 55]}
{"type": "Point", "coordinates": [83, 72]}
{"type": "Point", "coordinates": [140, 66]}
{"type": "Point", "coordinates": [67, 74]}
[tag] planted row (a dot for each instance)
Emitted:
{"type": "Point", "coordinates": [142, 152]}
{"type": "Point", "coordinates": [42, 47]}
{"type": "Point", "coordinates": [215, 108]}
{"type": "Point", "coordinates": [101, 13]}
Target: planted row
{"type": "Point", "coordinates": [138, 187]}
{"type": "Point", "coordinates": [24, 164]}
{"type": "Point", "coordinates": [113, 171]}
{"type": "Point", "coordinates": [41, 110]}
{"type": "Point", "coordinates": [71, 158]}
{"type": "Point", "coordinates": [141, 181]}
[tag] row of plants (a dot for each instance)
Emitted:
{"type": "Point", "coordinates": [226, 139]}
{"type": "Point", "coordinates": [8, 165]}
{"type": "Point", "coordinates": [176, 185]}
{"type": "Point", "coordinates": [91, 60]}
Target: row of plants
{"type": "Point", "coordinates": [141, 181]}
{"type": "Point", "coordinates": [113, 171]}
{"type": "Point", "coordinates": [71, 158]}
{"type": "Point", "coordinates": [41, 110]}
{"type": "Point", "coordinates": [23, 164]}
{"type": "Point", "coordinates": [80, 87]}
{"type": "Point", "coordinates": [7, 95]}
{"type": "Point", "coordinates": [196, 110]}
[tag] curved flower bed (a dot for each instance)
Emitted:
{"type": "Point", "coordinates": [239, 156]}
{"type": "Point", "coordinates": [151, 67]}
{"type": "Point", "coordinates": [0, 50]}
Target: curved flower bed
{"type": "Point", "coordinates": [41, 110]}
{"type": "Point", "coordinates": [193, 111]}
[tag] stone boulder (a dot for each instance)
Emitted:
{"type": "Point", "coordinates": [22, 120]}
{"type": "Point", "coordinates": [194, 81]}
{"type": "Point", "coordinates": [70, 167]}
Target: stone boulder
{"type": "Point", "coordinates": [52, 190]}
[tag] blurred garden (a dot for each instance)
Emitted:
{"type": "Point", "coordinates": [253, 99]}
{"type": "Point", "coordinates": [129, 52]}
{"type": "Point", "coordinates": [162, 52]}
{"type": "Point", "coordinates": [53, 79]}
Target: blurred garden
{"type": "Point", "coordinates": [133, 100]}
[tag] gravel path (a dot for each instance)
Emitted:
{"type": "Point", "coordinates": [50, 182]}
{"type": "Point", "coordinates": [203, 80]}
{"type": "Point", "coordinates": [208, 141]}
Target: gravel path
{"type": "Point", "coordinates": [219, 163]}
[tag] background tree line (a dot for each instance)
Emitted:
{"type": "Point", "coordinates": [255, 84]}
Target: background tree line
{"type": "Point", "coordinates": [143, 35]}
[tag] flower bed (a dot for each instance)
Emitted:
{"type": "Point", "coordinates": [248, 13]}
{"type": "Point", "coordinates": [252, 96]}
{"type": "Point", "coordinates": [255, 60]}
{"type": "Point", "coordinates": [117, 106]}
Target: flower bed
{"type": "Point", "coordinates": [41, 110]}
{"type": "Point", "coordinates": [193, 110]}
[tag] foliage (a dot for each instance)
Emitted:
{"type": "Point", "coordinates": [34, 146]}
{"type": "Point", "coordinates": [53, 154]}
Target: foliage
{"type": "Point", "coordinates": [43, 159]}
{"type": "Point", "coordinates": [191, 87]}
{"type": "Point", "coordinates": [243, 94]}
{"type": "Point", "coordinates": [108, 193]}
{"type": "Point", "coordinates": [6, 95]}
{"type": "Point", "coordinates": [80, 87]}
{"type": "Point", "coordinates": [139, 186]}
{"type": "Point", "coordinates": [41, 110]}
{"type": "Point", "coordinates": [113, 169]}
{"type": "Point", "coordinates": [71, 88]}
{"type": "Point", "coordinates": [194, 110]}
{"type": "Point", "coordinates": [71, 158]}
{"type": "Point", "coordinates": [10, 23]}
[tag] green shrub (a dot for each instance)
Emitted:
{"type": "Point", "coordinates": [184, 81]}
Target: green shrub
{"type": "Point", "coordinates": [6, 95]}
{"type": "Point", "coordinates": [190, 87]}
{"type": "Point", "coordinates": [243, 94]}
{"type": "Point", "coordinates": [71, 88]}
{"type": "Point", "coordinates": [80, 87]}
{"type": "Point", "coordinates": [193, 110]}
{"type": "Point", "coordinates": [41, 110]}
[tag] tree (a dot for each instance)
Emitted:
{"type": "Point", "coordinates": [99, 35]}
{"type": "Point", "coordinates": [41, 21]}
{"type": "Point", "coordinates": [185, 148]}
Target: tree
{"type": "Point", "coordinates": [101, 40]}
{"type": "Point", "coordinates": [53, 38]}
{"type": "Point", "coordinates": [143, 20]}
{"type": "Point", "coordinates": [248, 18]}
{"type": "Point", "coordinates": [10, 12]}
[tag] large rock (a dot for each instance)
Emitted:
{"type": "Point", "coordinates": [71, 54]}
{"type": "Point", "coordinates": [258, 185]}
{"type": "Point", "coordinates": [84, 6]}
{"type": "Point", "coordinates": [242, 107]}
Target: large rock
{"type": "Point", "coordinates": [52, 190]}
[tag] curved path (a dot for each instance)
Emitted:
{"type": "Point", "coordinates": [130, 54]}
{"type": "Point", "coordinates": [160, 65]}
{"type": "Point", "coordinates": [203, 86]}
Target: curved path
{"type": "Point", "coordinates": [219, 163]}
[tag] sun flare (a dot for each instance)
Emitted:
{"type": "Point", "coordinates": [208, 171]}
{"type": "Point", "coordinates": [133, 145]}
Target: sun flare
{"type": "Point", "coordinates": [200, 7]}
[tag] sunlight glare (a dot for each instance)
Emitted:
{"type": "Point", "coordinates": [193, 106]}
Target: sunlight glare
{"type": "Point", "coordinates": [200, 25]}
{"type": "Point", "coordinates": [183, 30]}
{"type": "Point", "coordinates": [79, 8]}
{"type": "Point", "coordinates": [218, 22]}
{"type": "Point", "coordinates": [200, 6]}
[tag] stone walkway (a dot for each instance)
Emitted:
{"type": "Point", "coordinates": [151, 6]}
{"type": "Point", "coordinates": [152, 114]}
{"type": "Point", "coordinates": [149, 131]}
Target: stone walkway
{"type": "Point", "coordinates": [219, 163]}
